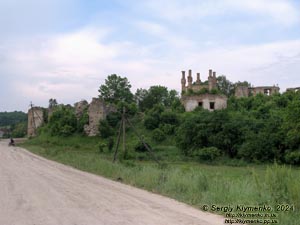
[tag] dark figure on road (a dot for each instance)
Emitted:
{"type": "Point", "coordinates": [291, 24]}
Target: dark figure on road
{"type": "Point", "coordinates": [12, 142]}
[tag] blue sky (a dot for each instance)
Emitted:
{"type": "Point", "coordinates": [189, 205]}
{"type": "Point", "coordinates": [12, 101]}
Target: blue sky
{"type": "Point", "coordinates": [65, 49]}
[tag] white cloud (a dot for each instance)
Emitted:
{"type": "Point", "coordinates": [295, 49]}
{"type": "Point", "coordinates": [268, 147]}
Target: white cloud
{"type": "Point", "coordinates": [279, 11]}
{"type": "Point", "coordinates": [72, 66]}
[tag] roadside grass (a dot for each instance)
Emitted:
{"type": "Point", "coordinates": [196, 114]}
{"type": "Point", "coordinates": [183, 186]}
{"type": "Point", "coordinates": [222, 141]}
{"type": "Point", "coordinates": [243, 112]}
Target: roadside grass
{"type": "Point", "coordinates": [180, 178]}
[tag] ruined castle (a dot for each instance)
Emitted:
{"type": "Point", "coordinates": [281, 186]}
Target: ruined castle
{"type": "Point", "coordinates": [202, 94]}
{"type": "Point", "coordinates": [97, 110]}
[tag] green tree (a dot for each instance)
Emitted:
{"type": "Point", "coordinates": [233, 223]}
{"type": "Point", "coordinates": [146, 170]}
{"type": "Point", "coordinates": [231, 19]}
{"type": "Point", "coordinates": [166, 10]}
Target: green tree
{"type": "Point", "coordinates": [63, 122]}
{"type": "Point", "coordinates": [52, 103]}
{"type": "Point", "coordinates": [225, 86]}
{"type": "Point", "coordinates": [19, 130]}
{"type": "Point", "coordinates": [116, 89]}
{"type": "Point", "coordinates": [156, 95]}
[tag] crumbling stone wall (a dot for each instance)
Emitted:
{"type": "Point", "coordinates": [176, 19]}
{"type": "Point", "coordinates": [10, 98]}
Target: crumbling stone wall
{"type": "Point", "coordinates": [210, 102]}
{"type": "Point", "coordinates": [243, 91]}
{"type": "Point", "coordinates": [198, 85]}
{"type": "Point", "coordinates": [80, 107]}
{"type": "Point", "coordinates": [207, 101]}
{"type": "Point", "coordinates": [296, 89]}
{"type": "Point", "coordinates": [97, 111]}
{"type": "Point", "coordinates": [35, 120]}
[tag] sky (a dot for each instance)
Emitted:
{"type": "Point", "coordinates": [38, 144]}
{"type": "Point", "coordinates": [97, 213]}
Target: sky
{"type": "Point", "coordinates": [65, 49]}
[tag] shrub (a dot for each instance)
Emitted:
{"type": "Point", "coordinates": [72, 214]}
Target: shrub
{"type": "Point", "coordinates": [158, 135]}
{"type": "Point", "coordinates": [62, 122]}
{"type": "Point", "coordinates": [209, 153]}
{"type": "Point", "coordinates": [151, 122]}
{"type": "Point", "coordinates": [113, 118]}
{"type": "Point", "coordinates": [169, 117]}
{"type": "Point", "coordinates": [140, 147]}
{"type": "Point", "coordinates": [110, 143]}
{"type": "Point", "coordinates": [101, 147]}
{"type": "Point", "coordinates": [292, 157]}
{"type": "Point", "coordinates": [105, 129]}
{"type": "Point", "coordinates": [83, 120]}
{"type": "Point", "coordinates": [168, 129]}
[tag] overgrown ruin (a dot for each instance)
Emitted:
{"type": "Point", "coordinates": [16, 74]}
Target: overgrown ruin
{"type": "Point", "coordinates": [97, 110]}
{"type": "Point", "coordinates": [244, 91]}
{"type": "Point", "coordinates": [201, 94]}
{"type": "Point", "coordinates": [35, 120]}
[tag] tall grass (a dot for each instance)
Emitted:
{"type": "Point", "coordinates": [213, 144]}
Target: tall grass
{"type": "Point", "coordinates": [192, 183]}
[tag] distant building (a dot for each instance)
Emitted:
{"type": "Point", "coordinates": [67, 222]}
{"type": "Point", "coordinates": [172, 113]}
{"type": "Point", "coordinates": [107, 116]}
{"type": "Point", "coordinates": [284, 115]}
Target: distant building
{"type": "Point", "coordinates": [296, 89]}
{"type": "Point", "coordinates": [201, 94]}
{"type": "Point", "coordinates": [244, 91]}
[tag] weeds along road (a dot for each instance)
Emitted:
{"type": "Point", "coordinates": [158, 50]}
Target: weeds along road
{"type": "Point", "coordinates": [36, 191]}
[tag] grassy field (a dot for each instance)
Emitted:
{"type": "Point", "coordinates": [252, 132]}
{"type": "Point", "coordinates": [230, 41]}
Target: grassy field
{"type": "Point", "coordinates": [183, 179]}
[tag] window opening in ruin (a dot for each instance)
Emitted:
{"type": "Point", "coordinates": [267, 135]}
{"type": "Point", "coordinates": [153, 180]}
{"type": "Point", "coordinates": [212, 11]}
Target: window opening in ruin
{"type": "Point", "coordinates": [200, 104]}
{"type": "Point", "coordinates": [212, 105]}
{"type": "Point", "coordinates": [267, 92]}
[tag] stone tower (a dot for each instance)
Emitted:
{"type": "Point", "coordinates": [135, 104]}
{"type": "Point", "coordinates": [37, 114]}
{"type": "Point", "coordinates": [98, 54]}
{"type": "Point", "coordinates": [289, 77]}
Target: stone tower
{"type": "Point", "coordinates": [212, 80]}
{"type": "Point", "coordinates": [183, 81]}
{"type": "Point", "coordinates": [35, 120]}
{"type": "Point", "coordinates": [190, 80]}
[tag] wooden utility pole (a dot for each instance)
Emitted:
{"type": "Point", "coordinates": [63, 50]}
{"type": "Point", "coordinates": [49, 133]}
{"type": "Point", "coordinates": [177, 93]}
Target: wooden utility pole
{"type": "Point", "coordinates": [123, 125]}
{"type": "Point", "coordinates": [124, 132]}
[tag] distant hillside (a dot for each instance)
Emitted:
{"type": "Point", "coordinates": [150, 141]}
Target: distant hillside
{"type": "Point", "coordinates": [12, 118]}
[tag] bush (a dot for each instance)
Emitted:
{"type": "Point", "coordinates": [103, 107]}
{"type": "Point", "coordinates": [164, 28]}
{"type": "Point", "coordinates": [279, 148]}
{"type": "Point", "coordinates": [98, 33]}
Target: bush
{"type": "Point", "coordinates": [151, 122]}
{"type": "Point", "coordinates": [62, 122]}
{"type": "Point", "coordinates": [140, 147]}
{"type": "Point", "coordinates": [19, 130]}
{"type": "Point", "coordinates": [105, 129]}
{"type": "Point", "coordinates": [158, 135]}
{"type": "Point", "coordinates": [169, 118]}
{"type": "Point", "coordinates": [168, 129]}
{"type": "Point", "coordinates": [114, 118]}
{"type": "Point", "coordinates": [101, 147]}
{"type": "Point", "coordinates": [292, 157]}
{"type": "Point", "coordinates": [208, 154]}
{"type": "Point", "coordinates": [110, 143]}
{"type": "Point", "coordinates": [83, 120]}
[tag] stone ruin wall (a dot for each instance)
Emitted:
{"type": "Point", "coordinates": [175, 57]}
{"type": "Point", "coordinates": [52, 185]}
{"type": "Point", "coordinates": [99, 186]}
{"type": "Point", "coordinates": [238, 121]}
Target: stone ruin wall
{"type": "Point", "coordinates": [35, 120]}
{"type": "Point", "coordinates": [192, 102]}
{"type": "Point", "coordinates": [188, 84]}
{"type": "Point", "coordinates": [243, 91]}
{"type": "Point", "coordinates": [207, 101]}
{"type": "Point", "coordinates": [97, 110]}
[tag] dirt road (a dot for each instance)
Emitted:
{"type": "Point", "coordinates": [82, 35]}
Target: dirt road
{"type": "Point", "coordinates": [36, 191]}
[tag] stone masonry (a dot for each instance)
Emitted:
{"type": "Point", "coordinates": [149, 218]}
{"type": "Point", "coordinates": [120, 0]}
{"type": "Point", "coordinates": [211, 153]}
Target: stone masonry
{"type": "Point", "coordinates": [97, 111]}
{"type": "Point", "coordinates": [243, 91]}
{"type": "Point", "coordinates": [208, 100]}
{"type": "Point", "coordinates": [80, 107]}
{"type": "Point", "coordinates": [35, 120]}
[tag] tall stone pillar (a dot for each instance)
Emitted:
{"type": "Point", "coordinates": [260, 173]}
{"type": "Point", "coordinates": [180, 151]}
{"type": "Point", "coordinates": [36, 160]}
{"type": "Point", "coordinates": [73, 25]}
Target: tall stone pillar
{"type": "Point", "coordinates": [35, 120]}
{"type": "Point", "coordinates": [183, 81]}
{"type": "Point", "coordinates": [190, 80]}
{"type": "Point", "coordinates": [198, 81]}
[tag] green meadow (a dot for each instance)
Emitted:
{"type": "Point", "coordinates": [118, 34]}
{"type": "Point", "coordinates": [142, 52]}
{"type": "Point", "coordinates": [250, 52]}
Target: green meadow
{"type": "Point", "coordinates": [213, 187]}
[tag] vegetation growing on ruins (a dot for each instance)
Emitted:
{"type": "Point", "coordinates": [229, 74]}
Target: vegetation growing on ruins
{"type": "Point", "coordinates": [255, 129]}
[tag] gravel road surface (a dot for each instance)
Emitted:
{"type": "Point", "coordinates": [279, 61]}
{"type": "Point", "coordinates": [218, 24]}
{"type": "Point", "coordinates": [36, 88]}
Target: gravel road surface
{"type": "Point", "coordinates": [36, 191]}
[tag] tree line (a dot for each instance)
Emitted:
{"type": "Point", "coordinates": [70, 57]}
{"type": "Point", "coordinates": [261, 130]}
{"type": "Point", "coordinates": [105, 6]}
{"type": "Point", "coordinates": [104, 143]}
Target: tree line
{"type": "Point", "coordinates": [255, 129]}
